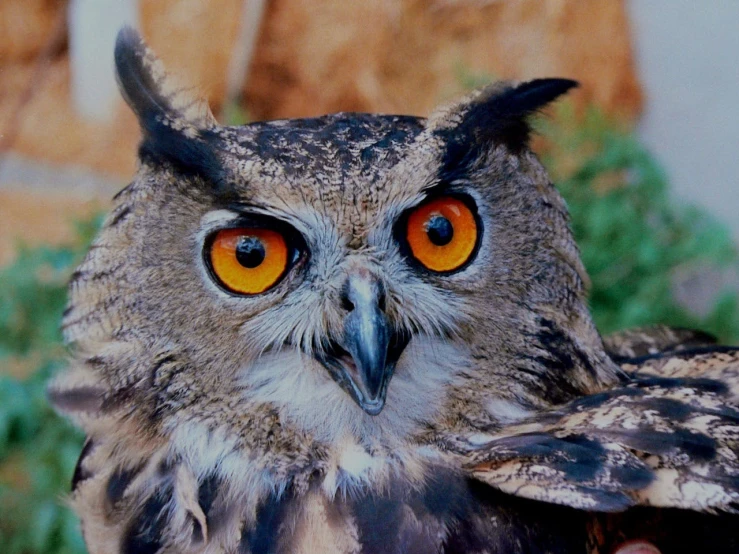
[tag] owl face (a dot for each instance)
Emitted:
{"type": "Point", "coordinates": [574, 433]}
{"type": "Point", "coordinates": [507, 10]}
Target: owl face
{"type": "Point", "coordinates": [352, 268]}
{"type": "Point", "coordinates": [329, 250]}
{"type": "Point", "coordinates": [325, 246]}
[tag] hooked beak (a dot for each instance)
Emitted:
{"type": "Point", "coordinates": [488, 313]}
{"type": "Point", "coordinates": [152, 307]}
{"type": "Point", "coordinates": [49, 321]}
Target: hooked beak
{"type": "Point", "coordinates": [364, 362]}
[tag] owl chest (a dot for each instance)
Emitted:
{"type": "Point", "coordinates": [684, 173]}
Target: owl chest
{"type": "Point", "coordinates": [449, 514]}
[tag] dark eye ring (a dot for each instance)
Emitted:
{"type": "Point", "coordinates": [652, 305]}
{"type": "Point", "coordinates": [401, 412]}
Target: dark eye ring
{"type": "Point", "coordinates": [253, 258]}
{"type": "Point", "coordinates": [442, 234]}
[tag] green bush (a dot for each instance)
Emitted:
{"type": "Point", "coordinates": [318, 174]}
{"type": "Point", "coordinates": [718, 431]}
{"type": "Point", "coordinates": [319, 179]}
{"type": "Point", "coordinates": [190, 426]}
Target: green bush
{"type": "Point", "coordinates": [38, 449]}
{"type": "Point", "coordinates": [633, 240]}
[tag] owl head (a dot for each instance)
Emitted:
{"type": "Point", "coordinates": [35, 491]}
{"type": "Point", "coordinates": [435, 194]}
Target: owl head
{"type": "Point", "coordinates": [353, 273]}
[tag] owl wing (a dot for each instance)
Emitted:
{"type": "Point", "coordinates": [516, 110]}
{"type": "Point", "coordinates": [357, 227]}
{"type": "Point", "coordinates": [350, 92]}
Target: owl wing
{"type": "Point", "coordinates": [668, 436]}
{"type": "Point", "coordinates": [657, 339]}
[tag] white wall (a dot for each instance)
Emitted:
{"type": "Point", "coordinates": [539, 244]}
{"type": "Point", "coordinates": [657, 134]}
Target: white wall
{"type": "Point", "coordinates": [93, 27]}
{"type": "Point", "coordinates": [688, 57]}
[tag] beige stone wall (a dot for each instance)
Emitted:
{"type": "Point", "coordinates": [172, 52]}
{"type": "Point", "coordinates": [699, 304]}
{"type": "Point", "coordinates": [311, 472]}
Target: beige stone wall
{"type": "Point", "coordinates": [25, 26]}
{"type": "Point", "coordinates": [33, 217]}
{"type": "Point", "coordinates": [314, 57]}
{"type": "Point", "coordinates": [405, 56]}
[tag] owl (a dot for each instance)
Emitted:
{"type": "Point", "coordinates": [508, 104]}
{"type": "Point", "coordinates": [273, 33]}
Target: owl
{"type": "Point", "coordinates": [366, 333]}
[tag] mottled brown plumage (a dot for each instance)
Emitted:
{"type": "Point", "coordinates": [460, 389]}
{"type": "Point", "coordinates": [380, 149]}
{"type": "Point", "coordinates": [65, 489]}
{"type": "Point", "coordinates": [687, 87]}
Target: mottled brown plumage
{"type": "Point", "coordinates": [223, 422]}
{"type": "Point", "coordinates": [659, 339]}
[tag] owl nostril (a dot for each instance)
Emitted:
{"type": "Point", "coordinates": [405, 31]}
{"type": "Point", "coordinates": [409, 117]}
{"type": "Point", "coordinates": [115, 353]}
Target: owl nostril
{"type": "Point", "coordinates": [347, 304]}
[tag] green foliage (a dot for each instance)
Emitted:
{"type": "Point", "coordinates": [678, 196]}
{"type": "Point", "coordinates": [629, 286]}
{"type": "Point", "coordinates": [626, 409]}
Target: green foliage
{"type": "Point", "coordinates": [632, 237]}
{"type": "Point", "coordinates": [38, 449]}
{"type": "Point", "coordinates": [234, 114]}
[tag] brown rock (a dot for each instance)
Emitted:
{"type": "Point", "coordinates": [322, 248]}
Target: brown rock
{"type": "Point", "coordinates": [25, 27]}
{"type": "Point", "coordinates": [407, 55]}
{"type": "Point", "coordinates": [35, 217]}
{"type": "Point", "coordinates": [402, 56]}
{"type": "Point", "coordinates": [194, 38]}
{"type": "Point", "coordinates": [48, 127]}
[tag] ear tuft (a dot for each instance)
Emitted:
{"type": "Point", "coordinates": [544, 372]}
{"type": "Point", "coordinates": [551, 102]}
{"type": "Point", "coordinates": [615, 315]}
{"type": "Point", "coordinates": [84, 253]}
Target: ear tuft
{"type": "Point", "coordinates": [178, 128]}
{"type": "Point", "coordinates": [499, 115]}
{"type": "Point", "coordinates": [150, 91]}
{"type": "Point", "coordinates": [526, 98]}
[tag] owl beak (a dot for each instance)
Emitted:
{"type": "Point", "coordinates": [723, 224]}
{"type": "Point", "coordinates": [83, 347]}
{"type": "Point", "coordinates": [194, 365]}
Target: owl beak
{"type": "Point", "coordinates": [365, 361]}
{"type": "Point", "coordinates": [366, 338]}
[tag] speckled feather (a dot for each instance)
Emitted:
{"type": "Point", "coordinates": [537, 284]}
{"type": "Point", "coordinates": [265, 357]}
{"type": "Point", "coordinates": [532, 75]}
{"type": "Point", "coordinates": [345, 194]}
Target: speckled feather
{"type": "Point", "coordinates": [659, 339]}
{"type": "Point", "coordinates": [508, 425]}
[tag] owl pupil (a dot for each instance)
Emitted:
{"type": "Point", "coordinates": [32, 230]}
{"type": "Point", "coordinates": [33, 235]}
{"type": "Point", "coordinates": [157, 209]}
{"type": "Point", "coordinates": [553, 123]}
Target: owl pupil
{"type": "Point", "coordinates": [250, 252]}
{"type": "Point", "coordinates": [440, 230]}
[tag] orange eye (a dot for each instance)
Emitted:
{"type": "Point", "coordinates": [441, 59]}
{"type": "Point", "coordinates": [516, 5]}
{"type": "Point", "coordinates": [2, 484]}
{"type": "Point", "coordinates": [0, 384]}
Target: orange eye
{"type": "Point", "coordinates": [442, 234]}
{"type": "Point", "coordinates": [248, 261]}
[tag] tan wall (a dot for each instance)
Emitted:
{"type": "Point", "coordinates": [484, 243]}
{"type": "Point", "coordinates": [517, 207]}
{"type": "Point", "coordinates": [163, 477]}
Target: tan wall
{"type": "Point", "coordinates": [314, 57]}
{"type": "Point", "coordinates": [406, 56]}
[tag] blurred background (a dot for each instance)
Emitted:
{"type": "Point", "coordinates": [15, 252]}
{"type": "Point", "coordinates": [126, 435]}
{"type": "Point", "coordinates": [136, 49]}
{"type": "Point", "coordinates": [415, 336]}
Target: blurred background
{"type": "Point", "coordinates": [644, 152]}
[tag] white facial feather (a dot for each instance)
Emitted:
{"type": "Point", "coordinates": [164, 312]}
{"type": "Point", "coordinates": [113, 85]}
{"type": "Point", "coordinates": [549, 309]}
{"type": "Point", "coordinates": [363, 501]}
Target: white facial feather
{"type": "Point", "coordinates": [362, 449]}
{"type": "Point", "coordinates": [208, 449]}
{"type": "Point", "coordinates": [304, 393]}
